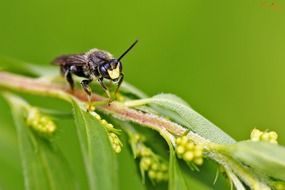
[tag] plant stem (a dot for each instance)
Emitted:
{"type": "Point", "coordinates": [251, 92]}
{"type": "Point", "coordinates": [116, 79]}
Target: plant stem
{"type": "Point", "coordinates": [39, 87]}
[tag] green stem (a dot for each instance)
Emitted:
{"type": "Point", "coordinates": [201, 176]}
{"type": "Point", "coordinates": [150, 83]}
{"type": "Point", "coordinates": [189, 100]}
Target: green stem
{"type": "Point", "coordinates": [117, 109]}
{"type": "Point", "coordinates": [136, 103]}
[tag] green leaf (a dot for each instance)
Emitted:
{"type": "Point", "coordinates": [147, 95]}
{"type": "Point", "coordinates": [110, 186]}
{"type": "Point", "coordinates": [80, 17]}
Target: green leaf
{"type": "Point", "coordinates": [129, 175]}
{"type": "Point", "coordinates": [260, 156]}
{"type": "Point", "coordinates": [176, 179]}
{"type": "Point", "coordinates": [99, 158]}
{"type": "Point", "coordinates": [128, 88]}
{"type": "Point", "coordinates": [172, 97]}
{"type": "Point", "coordinates": [185, 115]}
{"type": "Point", "coordinates": [43, 165]}
{"type": "Point", "coordinates": [17, 66]}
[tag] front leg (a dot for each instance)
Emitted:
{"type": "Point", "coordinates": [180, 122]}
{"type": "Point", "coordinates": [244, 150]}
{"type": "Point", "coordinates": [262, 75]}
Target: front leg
{"type": "Point", "coordinates": [100, 80]}
{"type": "Point", "coordinates": [120, 82]}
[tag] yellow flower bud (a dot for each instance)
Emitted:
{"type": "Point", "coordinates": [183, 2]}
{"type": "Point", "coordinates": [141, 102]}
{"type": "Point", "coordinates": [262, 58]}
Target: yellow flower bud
{"type": "Point", "coordinates": [152, 174]}
{"type": "Point", "coordinates": [188, 156]}
{"type": "Point", "coordinates": [104, 122]}
{"type": "Point", "coordinates": [115, 141]}
{"type": "Point", "coordinates": [110, 125]}
{"type": "Point", "coordinates": [178, 140]}
{"type": "Point", "coordinates": [40, 123]}
{"type": "Point", "coordinates": [145, 152]}
{"type": "Point", "coordinates": [154, 166]}
{"type": "Point", "coordinates": [180, 149]}
{"type": "Point", "coordinates": [190, 146]}
{"type": "Point", "coordinates": [198, 161]}
{"type": "Point", "coordinates": [264, 137]}
{"type": "Point", "coordinates": [255, 135]}
{"type": "Point", "coordinates": [273, 135]}
{"type": "Point", "coordinates": [184, 140]}
{"type": "Point", "coordinates": [90, 107]}
{"type": "Point", "coordinates": [198, 152]}
{"type": "Point", "coordinates": [117, 149]}
{"type": "Point", "coordinates": [145, 163]}
{"type": "Point", "coordinates": [98, 117]}
{"type": "Point", "coordinates": [113, 135]}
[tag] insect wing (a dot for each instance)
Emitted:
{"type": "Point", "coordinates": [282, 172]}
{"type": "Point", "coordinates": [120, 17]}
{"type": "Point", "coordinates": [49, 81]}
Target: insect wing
{"type": "Point", "coordinates": [75, 59]}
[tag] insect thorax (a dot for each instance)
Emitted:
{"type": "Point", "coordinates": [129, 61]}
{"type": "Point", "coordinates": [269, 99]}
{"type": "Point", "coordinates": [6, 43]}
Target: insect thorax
{"type": "Point", "coordinates": [98, 56]}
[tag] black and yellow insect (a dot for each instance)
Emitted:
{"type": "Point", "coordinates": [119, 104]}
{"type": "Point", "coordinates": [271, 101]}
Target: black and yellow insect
{"type": "Point", "coordinates": [93, 65]}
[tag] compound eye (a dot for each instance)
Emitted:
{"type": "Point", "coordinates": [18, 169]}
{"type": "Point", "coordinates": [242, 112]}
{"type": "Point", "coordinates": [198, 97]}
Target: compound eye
{"type": "Point", "coordinates": [113, 64]}
{"type": "Point", "coordinates": [103, 71]}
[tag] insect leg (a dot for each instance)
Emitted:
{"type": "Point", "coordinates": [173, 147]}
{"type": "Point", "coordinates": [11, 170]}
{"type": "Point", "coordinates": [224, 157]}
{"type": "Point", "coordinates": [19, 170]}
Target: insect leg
{"type": "Point", "coordinates": [69, 79]}
{"type": "Point", "coordinates": [120, 82]}
{"type": "Point", "coordinates": [100, 80]}
{"type": "Point", "coordinates": [86, 87]}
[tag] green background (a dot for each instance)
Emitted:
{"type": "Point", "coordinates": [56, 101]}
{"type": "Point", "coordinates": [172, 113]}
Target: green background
{"type": "Point", "coordinates": [226, 58]}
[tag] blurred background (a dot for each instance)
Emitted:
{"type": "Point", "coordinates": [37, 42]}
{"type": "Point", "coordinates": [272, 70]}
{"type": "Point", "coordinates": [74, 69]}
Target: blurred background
{"type": "Point", "coordinates": [226, 58]}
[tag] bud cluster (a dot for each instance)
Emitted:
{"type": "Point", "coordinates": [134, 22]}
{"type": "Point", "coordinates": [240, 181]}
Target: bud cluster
{"type": "Point", "coordinates": [114, 139]}
{"type": "Point", "coordinates": [40, 123]}
{"type": "Point", "coordinates": [153, 165]}
{"type": "Point", "coordinates": [265, 136]}
{"type": "Point", "coordinates": [187, 150]}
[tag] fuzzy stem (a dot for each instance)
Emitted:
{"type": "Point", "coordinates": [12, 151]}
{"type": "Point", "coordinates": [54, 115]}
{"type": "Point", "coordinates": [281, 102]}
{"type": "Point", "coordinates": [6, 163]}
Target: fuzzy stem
{"type": "Point", "coordinates": [39, 87]}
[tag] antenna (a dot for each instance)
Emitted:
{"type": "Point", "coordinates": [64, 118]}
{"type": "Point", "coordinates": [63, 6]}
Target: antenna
{"type": "Point", "coordinates": [128, 50]}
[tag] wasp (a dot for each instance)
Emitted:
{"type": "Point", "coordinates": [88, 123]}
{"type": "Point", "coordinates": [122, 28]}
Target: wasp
{"type": "Point", "coordinates": [93, 65]}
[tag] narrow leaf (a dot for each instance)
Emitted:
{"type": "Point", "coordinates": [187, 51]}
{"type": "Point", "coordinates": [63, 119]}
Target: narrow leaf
{"type": "Point", "coordinates": [99, 158]}
{"type": "Point", "coordinates": [18, 66]}
{"type": "Point", "coordinates": [128, 88]}
{"type": "Point", "coordinates": [190, 118]}
{"type": "Point", "coordinates": [235, 180]}
{"type": "Point", "coordinates": [176, 179]}
{"type": "Point", "coordinates": [43, 164]}
{"type": "Point", "coordinates": [129, 175]}
{"type": "Point", "coordinates": [261, 156]}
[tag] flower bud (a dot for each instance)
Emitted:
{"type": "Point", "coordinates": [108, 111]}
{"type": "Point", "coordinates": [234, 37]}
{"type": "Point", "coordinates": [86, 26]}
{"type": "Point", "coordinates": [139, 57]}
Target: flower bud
{"type": "Point", "coordinates": [114, 139]}
{"type": "Point", "coordinates": [180, 149]}
{"type": "Point", "coordinates": [115, 142]}
{"type": "Point", "coordinates": [187, 150]}
{"type": "Point", "coordinates": [40, 123]}
{"type": "Point", "coordinates": [273, 135]}
{"type": "Point", "coordinates": [145, 152]}
{"type": "Point", "coordinates": [150, 163]}
{"type": "Point", "coordinates": [255, 135]}
{"type": "Point", "coordinates": [103, 122]}
{"type": "Point", "coordinates": [198, 161]}
{"type": "Point", "coordinates": [188, 156]}
{"type": "Point", "coordinates": [265, 136]}
{"type": "Point", "coordinates": [152, 174]}
{"type": "Point", "coordinates": [154, 166]}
